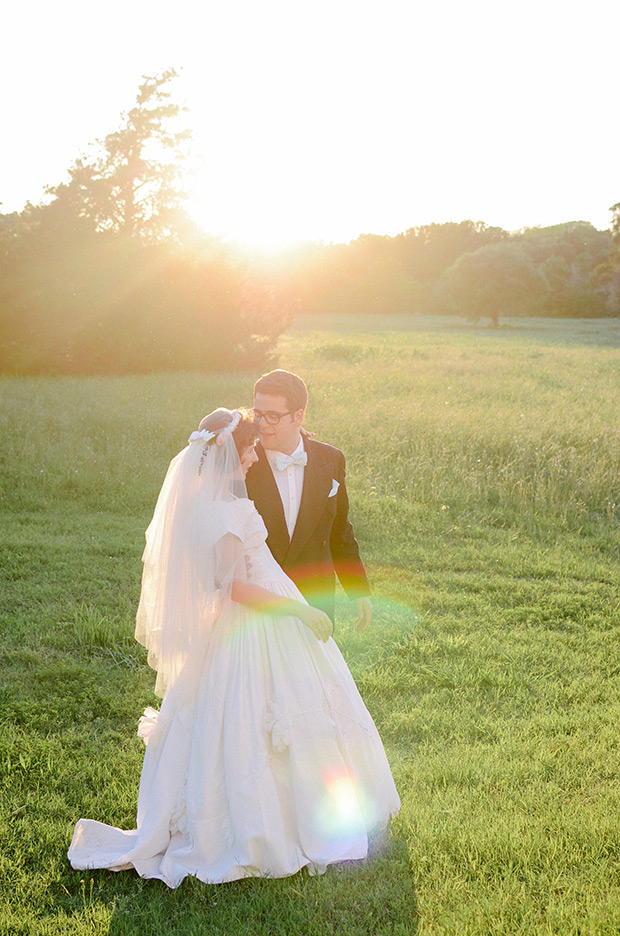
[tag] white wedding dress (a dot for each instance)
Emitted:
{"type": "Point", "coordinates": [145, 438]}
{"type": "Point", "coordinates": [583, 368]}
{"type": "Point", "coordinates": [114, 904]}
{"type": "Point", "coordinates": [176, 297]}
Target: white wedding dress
{"type": "Point", "coordinates": [264, 761]}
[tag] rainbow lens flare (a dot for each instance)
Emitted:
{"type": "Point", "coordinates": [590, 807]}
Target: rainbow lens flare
{"type": "Point", "coordinates": [344, 811]}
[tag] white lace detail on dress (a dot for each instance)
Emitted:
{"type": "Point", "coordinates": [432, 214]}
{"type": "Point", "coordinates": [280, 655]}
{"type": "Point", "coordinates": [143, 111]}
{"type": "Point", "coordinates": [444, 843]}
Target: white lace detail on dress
{"type": "Point", "coordinates": [278, 725]}
{"type": "Point", "coordinates": [148, 724]}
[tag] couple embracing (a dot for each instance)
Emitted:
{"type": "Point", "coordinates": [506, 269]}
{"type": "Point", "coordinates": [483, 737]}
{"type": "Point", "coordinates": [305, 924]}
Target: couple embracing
{"type": "Point", "coordinates": [263, 758]}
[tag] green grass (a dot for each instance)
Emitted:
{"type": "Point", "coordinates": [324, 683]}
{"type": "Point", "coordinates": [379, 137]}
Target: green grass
{"type": "Point", "coordinates": [484, 475]}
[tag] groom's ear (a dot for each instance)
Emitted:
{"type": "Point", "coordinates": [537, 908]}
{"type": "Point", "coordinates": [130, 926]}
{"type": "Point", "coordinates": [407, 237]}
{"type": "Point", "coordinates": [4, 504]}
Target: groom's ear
{"type": "Point", "coordinates": [298, 417]}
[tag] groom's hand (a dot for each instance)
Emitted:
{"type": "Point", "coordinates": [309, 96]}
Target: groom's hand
{"type": "Point", "coordinates": [364, 613]}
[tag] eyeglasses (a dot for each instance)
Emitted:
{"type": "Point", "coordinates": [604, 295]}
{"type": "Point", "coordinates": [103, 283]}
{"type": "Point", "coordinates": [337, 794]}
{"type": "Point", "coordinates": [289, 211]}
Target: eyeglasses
{"type": "Point", "coordinates": [272, 419]}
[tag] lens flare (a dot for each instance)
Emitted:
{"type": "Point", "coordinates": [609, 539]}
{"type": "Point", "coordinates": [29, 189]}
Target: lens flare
{"type": "Point", "coordinates": [340, 813]}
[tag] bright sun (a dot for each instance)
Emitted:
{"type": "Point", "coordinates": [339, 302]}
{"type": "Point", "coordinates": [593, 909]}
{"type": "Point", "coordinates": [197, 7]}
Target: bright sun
{"type": "Point", "coordinates": [270, 216]}
{"type": "Point", "coordinates": [265, 232]}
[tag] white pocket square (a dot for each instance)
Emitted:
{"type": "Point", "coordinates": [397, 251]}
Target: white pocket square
{"type": "Point", "coordinates": [334, 490]}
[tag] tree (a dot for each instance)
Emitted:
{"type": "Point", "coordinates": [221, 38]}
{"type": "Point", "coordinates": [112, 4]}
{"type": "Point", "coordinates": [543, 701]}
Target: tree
{"type": "Point", "coordinates": [381, 288]}
{"type": "Point", "coordinates": [425, 252]}
{"type": "Point", "coordinates": [577, 242]}
{"type": "Point", "coordinates": [93, 282]}
{"type": "Point", "coordinates": [605, 278]}
{"type": "Point", "coordinates": [109, 305]}
{"type": "Point", "coordinates": [132, 185]}
{"type": "Point", "coordinates": [494, 280]}
{"type": "Point", "coordinates": [615, 223]}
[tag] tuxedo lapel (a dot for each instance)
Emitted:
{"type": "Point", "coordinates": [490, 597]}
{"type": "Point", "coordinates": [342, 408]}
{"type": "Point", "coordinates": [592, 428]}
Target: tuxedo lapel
{"type": "Point", "coordinates": [263, 490]}
{"type": "Point", "coordinates": [318, 475]}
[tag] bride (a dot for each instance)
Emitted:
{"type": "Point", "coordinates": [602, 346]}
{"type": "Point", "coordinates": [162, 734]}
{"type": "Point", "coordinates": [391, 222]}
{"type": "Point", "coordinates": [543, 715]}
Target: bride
{"type": "Point", "coordinates": [263, 758]}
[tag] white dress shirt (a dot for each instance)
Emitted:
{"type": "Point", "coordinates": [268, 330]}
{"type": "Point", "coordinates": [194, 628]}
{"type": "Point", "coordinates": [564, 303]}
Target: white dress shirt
{"type": "Point", "coordinates": [290, 484]}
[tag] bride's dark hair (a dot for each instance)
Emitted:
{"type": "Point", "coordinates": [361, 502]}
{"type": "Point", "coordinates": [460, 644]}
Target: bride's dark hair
{"type": "Point", "coordinates": [244, 435]}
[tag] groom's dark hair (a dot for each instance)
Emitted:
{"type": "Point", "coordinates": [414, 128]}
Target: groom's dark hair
{"type": "Point", "coordinates": [283, 383]}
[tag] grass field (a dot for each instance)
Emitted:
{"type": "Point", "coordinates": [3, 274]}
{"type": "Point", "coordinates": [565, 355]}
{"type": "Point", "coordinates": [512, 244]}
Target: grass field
{"type": "Point", "coordinates": [483, 471]}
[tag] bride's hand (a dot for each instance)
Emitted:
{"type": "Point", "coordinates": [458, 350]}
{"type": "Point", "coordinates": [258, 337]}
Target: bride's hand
{"type": "Point", "coordinates": [318, 622]}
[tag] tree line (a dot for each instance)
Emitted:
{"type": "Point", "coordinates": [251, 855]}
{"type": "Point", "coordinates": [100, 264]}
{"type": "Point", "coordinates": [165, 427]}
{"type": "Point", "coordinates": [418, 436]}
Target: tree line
{"type": "Point", "coordinates": [111, 276]}
{"type": "Point", "coordinates": [468, 268]}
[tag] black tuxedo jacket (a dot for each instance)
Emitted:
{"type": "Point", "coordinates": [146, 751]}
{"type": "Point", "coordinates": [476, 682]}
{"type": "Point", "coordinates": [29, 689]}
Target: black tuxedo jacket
{"type": "Point", "coordinates": [323, 542]}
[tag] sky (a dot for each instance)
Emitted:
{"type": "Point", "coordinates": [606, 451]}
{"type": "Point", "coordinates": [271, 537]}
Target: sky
{"type": "Point", "coordinates": [326, 119]}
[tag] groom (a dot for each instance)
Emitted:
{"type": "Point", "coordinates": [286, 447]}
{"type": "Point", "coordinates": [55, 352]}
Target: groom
{"type": "Point", "coordinates": [298, 487]}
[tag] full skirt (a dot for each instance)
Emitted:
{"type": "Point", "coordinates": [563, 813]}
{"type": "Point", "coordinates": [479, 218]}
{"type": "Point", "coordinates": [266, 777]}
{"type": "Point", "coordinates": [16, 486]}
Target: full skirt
{"type": "Point", "coordinates": [265, 762]}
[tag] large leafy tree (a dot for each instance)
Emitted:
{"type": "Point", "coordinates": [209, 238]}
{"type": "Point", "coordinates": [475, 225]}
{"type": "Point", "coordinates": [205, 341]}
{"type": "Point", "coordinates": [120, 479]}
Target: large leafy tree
{"type": "Point", "coordinates": [132, 185]}
{"type": "Point", "coordinates": [494, 280]}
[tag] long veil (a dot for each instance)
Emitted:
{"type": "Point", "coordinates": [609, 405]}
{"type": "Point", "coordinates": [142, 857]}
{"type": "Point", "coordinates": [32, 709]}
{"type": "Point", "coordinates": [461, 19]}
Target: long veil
{"type": "Point", "coordinates": [192, 553]}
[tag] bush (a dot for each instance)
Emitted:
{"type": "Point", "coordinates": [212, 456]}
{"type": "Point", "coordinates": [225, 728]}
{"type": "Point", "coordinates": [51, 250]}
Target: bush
{"type": "Point", "coordinates": [113, 306]}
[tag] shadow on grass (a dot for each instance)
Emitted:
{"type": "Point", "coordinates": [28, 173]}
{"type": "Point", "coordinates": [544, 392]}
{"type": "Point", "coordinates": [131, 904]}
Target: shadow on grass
{"type": "Point", "coordinates": [366, 898]}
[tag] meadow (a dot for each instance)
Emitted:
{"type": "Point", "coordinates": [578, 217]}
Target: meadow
{"type": "Point", "coordinates": [483, 473]}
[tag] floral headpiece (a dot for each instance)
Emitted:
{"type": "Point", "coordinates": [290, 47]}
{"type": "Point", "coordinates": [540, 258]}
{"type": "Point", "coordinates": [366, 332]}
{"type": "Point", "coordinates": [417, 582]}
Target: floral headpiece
{"type": "Point", "coordinates": [208, 436]}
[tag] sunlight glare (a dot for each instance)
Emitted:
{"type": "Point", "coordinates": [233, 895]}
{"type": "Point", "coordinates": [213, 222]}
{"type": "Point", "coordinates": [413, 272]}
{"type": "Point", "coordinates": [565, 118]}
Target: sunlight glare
{"type": "Point", "coordinates": [266, 212]}
{"type": "Point", "coordinates": [344, 810]}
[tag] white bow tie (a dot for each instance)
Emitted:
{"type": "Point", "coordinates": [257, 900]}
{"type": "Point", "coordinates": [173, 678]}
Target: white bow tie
{"type": "Point", "coordinates": [281, 462]}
